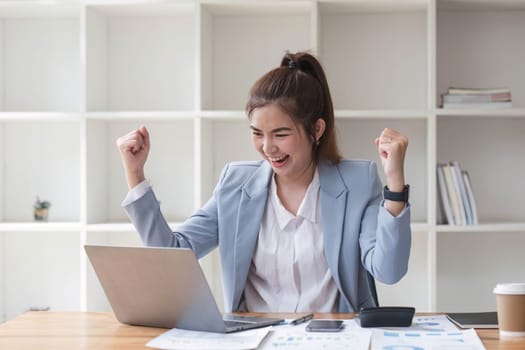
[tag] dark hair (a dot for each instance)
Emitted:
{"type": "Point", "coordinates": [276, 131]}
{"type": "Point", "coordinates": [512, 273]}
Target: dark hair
{"type": "Point", "coordinates": [299, 87]}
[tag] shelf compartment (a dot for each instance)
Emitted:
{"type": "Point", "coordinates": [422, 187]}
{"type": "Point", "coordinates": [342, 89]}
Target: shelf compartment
{"type": "Point", "coordinates": [40, 158]}
{"type": "Point", "coordinates": [40, 55]}
{"type": "Point", "coordinates": [140, 57]}
{"type": "Point", "coordinates": [476, 263]}
{"type": "Point", "coordinates": [40, 269]}
{"type": "Point", "coordinates": [476, 45]}
{"type": "Point", "coordinates": [356, 140]}
{"type": "Point", "coordinates": [223, 141]}
{"type": "Point", "coordinates": [490, 149]}
{"type": "Point", "coordinates": [262, 32]}
{"type": "Point", "coordinates": [169, 168]}
{"type": "Point", "coordinates": [380, 52]}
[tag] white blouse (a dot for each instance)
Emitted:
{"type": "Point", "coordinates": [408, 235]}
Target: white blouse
{"type": "Point", "coordinates": [289, 272]}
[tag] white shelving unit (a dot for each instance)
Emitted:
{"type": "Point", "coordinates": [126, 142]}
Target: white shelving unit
{"type": "Point", "coordinates": [75, 75]}
{"type": "Point", "coordinates": [477, 45]}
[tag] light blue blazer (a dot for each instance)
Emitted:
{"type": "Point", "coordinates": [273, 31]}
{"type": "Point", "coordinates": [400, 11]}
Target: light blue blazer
{"type": "Point", "coordinates": [359, 233]}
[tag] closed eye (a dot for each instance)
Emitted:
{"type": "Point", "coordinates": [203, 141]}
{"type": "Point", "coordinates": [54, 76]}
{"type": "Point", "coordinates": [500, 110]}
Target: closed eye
{"type": "Point", "coordinates": [279, 132]}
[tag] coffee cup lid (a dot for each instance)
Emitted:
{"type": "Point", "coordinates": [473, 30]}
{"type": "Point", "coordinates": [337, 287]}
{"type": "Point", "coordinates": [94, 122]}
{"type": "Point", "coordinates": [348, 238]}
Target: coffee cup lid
{"type": "Point", "coordinates": [510, 288]}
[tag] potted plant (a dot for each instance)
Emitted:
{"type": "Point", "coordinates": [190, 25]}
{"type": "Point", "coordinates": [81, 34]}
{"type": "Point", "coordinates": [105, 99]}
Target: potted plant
{"type": "Point", "coordinates": [40, 209]}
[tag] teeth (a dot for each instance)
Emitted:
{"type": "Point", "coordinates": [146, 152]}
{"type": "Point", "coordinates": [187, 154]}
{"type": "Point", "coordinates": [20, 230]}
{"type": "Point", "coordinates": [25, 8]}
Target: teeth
{"type": "Point", "coordinates": [280, 159]}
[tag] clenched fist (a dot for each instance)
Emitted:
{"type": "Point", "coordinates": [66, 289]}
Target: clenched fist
{"type": "Point", "coordinates": [134, 148]}
{"type": "Point", "coordinates": [392, 147]}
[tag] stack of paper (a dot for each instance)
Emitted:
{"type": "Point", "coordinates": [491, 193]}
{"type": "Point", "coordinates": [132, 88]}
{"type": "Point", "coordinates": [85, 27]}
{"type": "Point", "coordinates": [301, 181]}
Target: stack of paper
{"type": "Point", "coordinates": [281, 337]}
{"type": "Point", "coordinates": [425, 333]}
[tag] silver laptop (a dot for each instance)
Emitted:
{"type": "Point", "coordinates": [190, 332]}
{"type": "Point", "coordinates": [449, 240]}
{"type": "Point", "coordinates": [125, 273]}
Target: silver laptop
{"type": "Point", "coordinates": [162, 287]}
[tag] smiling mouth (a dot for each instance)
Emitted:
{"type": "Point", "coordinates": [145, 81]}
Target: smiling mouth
{"type": "Point", "coordinates": [278, 159]}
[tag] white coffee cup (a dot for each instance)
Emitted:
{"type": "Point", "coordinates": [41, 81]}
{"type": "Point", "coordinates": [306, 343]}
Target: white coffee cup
{"type": "Point", "coordinates": [510, 301]}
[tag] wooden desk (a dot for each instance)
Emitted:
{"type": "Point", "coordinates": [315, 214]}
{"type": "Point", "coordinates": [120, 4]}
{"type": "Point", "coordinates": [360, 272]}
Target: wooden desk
{"type": "Point", "coordinates": [90, 330]}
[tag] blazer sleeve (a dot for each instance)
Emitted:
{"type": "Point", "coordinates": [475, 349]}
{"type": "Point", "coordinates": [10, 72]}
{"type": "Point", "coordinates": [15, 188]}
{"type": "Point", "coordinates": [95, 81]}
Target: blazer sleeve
{"type": "Point", "coordinates": [384, 240]}
{"type": "Point", "coordinates": [199, 232]}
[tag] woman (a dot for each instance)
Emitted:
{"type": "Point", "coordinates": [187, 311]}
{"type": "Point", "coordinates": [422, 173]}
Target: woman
{"type": "Point", "coordinates": [298, 230]}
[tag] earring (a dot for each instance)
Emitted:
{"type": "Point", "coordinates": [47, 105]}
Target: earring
{"type": "Point", "coordinates": [316, 143]}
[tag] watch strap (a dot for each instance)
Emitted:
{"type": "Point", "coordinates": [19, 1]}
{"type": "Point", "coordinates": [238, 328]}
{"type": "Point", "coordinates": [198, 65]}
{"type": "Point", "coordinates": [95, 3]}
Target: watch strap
{"type": "Point", "coordinates": [396, 196]}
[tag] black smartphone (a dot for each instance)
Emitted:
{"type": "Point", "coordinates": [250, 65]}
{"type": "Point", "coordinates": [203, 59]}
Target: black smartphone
{"type": "Point", "coordinates": [324, 326]}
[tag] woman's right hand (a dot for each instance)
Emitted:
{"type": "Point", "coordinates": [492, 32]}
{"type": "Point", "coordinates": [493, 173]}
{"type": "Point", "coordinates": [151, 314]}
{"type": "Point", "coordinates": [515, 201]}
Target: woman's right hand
{"type": "Point", "coordinates": [134, 149]}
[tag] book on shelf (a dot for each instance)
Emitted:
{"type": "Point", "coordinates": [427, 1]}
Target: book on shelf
{"type": "Point", "coordinates": [452, 195]}
{"type": "Point", "coordinates": [460, 183]}
{"type": "Point", "coordinates": [456, 196]}
{"type": "Point", "coordinates": [470, 194]}
{"type": "Point", "coordinates": [472, 98]}
{"type": "Point", "coordinates": [456, 184]}
{"type": "Point", "coordinates": [444, 199]}
{"type": "Point", "coordinates": [488, 105]}
{"type": "Point", "coordinates": [477, 98]}
{"type": "Point", "coordinates": [474, 319]}
{"type": "Point", "coordinates": [477, 91]}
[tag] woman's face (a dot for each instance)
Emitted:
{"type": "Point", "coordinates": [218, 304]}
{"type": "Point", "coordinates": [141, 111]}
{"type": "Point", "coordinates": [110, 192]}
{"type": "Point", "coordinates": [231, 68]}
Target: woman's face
{"type": "Point", "coordinates": [281, 142]}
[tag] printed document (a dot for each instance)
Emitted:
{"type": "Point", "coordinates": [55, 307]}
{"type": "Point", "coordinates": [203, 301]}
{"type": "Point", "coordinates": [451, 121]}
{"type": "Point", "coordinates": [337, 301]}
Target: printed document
{"type": "Point", "coordinates": [458, 340]}
{"type": "Point", "coordinates": [181, 339]}
{"type": "Point", "coordinates": [426, 333]}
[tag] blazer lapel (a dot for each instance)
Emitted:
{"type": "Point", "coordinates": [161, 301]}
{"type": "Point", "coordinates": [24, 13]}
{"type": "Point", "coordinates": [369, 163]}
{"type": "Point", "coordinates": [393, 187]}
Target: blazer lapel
{"type": "Point", "coordinates": [249, 217]}
{"type": "Point", "coordinates": [333, 207]}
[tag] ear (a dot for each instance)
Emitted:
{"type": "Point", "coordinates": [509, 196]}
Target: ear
{"type": "Point", "coordinates": [320, 127]}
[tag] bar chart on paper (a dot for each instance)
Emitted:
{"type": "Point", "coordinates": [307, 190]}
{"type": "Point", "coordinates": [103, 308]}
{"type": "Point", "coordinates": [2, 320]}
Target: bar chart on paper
{"type": "Point", "coordinates": [289, 337]}
{"type": "Point", "coordinates": [408, 340]}
{"type": "Point", "coordinates": [426, 333]}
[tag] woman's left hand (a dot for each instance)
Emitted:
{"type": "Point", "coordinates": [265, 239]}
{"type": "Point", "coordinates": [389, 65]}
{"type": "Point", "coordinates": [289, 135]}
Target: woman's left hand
{"type": "Point", "coordinates": [392, 147]}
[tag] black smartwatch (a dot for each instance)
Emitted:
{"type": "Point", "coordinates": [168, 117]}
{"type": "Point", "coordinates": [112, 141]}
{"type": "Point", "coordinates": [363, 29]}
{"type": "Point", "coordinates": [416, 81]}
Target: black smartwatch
{"type": "Point", "coordinates": [396, 196]}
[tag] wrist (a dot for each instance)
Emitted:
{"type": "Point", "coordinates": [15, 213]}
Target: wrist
{"type": "Point", "coordinates": [396, 184]}
{"type": "Point", "coordinates": [134, 179]}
